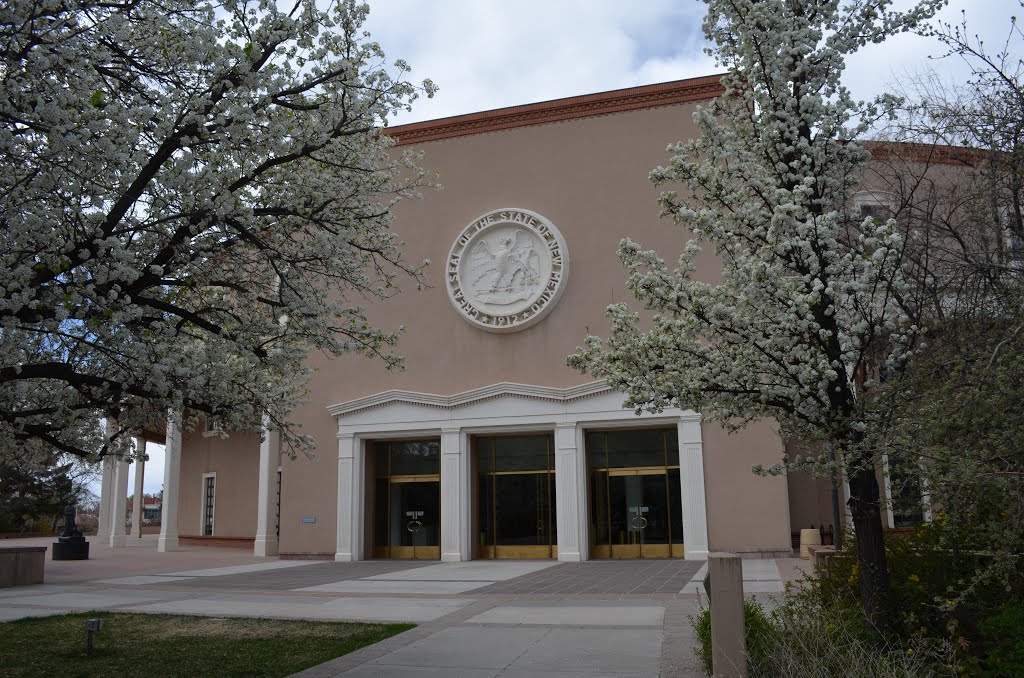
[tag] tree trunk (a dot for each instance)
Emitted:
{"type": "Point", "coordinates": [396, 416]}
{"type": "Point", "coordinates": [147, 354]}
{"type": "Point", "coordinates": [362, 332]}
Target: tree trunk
{"type": "Point", "coordinates": [867, 523]}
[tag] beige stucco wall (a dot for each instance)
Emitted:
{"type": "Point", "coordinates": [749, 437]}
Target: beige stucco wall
{"type": "Point", "coordinates": [235, 460]}
{"type": "Point", "coordinates": [747, 513]}
{"type": "Point", "coordinates": [589, 178]}
{"type": "Point", "coordinates": [810, 500]}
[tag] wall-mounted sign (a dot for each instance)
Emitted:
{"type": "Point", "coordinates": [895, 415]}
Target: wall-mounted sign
{"type": "Point", "coordinates": [507, 270]}
{"type": "Point", "coordinates": [308, 520]}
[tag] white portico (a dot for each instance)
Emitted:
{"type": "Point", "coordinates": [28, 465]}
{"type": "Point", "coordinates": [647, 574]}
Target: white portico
{"type": "Point", "coordinates": [451, 430]}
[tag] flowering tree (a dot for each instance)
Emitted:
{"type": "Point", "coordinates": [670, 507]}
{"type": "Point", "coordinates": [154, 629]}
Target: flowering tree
{"type": "Point", "coordinates": [809, 305]}
{"type": "Point", "coordinates": [953, 420]}
{"type": "Point", "coordinates": [193, 197]}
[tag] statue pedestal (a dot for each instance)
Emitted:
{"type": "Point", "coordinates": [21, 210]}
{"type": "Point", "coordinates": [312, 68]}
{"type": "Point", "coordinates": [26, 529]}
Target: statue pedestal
{"type": "Point", "coordinates": [70, 548]}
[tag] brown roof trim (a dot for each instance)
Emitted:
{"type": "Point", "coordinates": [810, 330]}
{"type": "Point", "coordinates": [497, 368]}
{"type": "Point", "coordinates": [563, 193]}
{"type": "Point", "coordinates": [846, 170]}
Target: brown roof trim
{"type": "Point", "coordinates": [933, 154]}
{"type": "Point", "coordinates": [570, 108]}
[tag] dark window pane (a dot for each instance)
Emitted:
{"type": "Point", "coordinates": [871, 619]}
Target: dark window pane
{"type": "Point", "coordinates": [522, 453]}
{"type": "Point", "coordinates": [486, 510]}
{"type": "Point", "coordinates": [415, 458]}
{"type": "Point", "coordinates": [672, 442]}
{"type": "Point", "coordinates": [520, 507]}
{"type": "Point", "coordinates": [596, 457]}
{"type": "Point", "coordinates": [675, 506]}
{"type": "Point", "coordinates": [484, 455]}
{"type": "Point", "coordinates": [621, 497]}
{"type": "Point", "coordinates": [636, 448]}
{"type": "Point", "coordinates": [907, 500]}
{"type": "Point", "coordinates": [380, 460]}
{"type": "Point", "coordinates": [652, 515]}
{"type": "Point", "coordinates": [599, 506]}
{"type": "Point", "coordinates": [380, 513]}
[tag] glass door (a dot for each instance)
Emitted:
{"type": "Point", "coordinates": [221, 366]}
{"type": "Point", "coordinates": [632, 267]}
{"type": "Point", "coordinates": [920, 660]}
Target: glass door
{"type": "Point", "coordinates": [635, 504]}
{"type": "Point", "coordinates": [407, 500]}
{"type": "Point", "coordinates": [516, 497]}
{"type": "Point", "coordinates": [640, 513]}
{"type": "Point", "coordinates": [415, 524]}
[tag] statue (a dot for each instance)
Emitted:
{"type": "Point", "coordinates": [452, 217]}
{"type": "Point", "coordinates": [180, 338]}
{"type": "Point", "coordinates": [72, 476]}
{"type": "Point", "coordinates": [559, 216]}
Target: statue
{"type": "Point", "coordinates": [70, 545]}
{"type": "Point", "coordinates": [70, 528]}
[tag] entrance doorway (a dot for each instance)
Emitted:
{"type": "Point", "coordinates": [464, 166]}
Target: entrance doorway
{"type": "Point", "coordinates": [635, 505]}
{"type": "Point", "coordinates": [407, 500]}
{"type": "Point", "coordinates": [516, 496]}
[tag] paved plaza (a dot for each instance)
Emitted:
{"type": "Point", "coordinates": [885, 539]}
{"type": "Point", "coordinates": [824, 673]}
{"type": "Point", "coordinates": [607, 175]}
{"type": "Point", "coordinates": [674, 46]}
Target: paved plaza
{"type": "Point", "coordinates": [475, 619]}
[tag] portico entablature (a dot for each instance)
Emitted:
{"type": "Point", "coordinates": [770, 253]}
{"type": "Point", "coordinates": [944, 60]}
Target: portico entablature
{"type": "Point", "coordinates": [507, 408]}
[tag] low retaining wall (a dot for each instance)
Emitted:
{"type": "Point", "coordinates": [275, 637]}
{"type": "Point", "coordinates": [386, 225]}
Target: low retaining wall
{"type": "Point", "coordinates": [229, 542]}
{"type": "Point", "coordinates": [27, 535]}
{"type": "Point", "coordinates": [306, 556]}
{"type": "Point", "coordinates": [21, 565]}
{"type": "Point", "coordinates": [819, 555]}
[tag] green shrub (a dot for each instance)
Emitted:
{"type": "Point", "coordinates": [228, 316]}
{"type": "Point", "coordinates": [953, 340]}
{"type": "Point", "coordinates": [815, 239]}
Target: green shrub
{"type": "Point", "coordinates": [702, 629]}
{"type": "Point", "coordinates": [805, 639]}
{"type": "Point", "coordinates": [816, 638]}
{"type": "Point", "coordinates": [939, 586]}
{"type": "Point", "coordinates": [1003, 638]}
{"type": "Point", "coordinates": [758, 630]}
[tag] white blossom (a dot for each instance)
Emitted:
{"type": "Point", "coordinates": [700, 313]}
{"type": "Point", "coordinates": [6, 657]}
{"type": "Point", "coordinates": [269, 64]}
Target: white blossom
{"type": "Point", "coordinates": [194, 197]}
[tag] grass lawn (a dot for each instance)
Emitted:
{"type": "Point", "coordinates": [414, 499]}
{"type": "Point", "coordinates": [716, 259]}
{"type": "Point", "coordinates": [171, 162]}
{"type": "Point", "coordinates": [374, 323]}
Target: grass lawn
{"type": "Point", "coordinates": [172, 645]}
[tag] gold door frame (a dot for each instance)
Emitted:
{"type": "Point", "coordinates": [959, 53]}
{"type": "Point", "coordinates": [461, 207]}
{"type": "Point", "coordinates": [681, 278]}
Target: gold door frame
{"type": "Point", "coordinates": [637, 550]}
{"type": "Point", "coordinates": [408, 552]}
{"type": "Point", "coordinates": [519, 551]}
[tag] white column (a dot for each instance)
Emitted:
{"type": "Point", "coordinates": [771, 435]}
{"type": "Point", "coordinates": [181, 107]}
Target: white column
{"type": "Point", "coordinates": [119, 505]}
{"type": "Point", "coordinates": [570, 494]}
{"type": "Point", "coordinates": [106, 491]}
{"type": "Point", "coordinates": [456, 497]}
{"type": "Point", "coordinates": [926, 499]}
{"type": "Point", "coordinates": [847, 513]}
{"type": "Point", "coordinates": [887, 498]}
{"type": "Point", "coordinates": [168, 540]}
{"type": "Point", "coordinates": [351, 497]}
{"type": "Point", "coordinates": [265, 543]}
{"type": "Point", "coordinates": [140, 473]}
{"type": "Point", "coordinates": [691, 480]}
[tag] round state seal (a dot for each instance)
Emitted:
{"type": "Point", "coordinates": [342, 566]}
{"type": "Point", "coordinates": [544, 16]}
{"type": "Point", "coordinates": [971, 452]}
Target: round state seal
{"type": "Point", "coordinates": [507, 270]}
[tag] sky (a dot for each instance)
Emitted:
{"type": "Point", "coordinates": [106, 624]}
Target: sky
{"type": "Point", "coordinates": [486, 54]}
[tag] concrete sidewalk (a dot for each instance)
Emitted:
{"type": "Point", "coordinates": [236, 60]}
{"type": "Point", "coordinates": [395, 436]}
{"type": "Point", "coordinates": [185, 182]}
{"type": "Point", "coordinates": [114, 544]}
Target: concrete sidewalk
{"type": "Point", "coordinates": [478, 618]}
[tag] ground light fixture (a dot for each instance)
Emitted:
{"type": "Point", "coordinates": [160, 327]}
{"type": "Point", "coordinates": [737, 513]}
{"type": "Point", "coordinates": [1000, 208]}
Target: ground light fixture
{"type": "Point", "coordinates": [91, 627]}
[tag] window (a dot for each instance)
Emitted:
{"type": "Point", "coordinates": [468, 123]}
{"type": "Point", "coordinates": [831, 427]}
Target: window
{"type": "Point", "coordinates": [209, 496]}
{"type": "Point", "coordinates": [905, 495]}
{"type": "Point", "coordinates": [277, 514]}
{"type": "Point", "coordinates": [874, 204]}
{"type": "Point", "coordinates": [907, 499]}
{"type": "Point", "coordinates": [1015, 248]}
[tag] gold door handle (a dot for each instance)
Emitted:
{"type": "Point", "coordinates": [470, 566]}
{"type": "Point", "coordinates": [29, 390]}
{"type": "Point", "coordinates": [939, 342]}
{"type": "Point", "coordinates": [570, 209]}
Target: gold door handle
{"type": "Point", "coordinates": [638, 522]}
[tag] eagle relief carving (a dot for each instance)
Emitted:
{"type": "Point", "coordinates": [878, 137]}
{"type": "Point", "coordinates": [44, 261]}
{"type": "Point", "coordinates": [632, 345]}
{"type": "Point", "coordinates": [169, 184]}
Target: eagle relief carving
{"type": "Point", "coordinates": [507, 269]}
{"type": "Point", "coordinates": [508, 272]}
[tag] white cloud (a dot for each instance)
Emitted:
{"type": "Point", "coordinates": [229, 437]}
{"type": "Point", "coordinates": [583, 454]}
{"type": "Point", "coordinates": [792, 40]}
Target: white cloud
{"type": "Point", "coordinates": [488, 55]}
